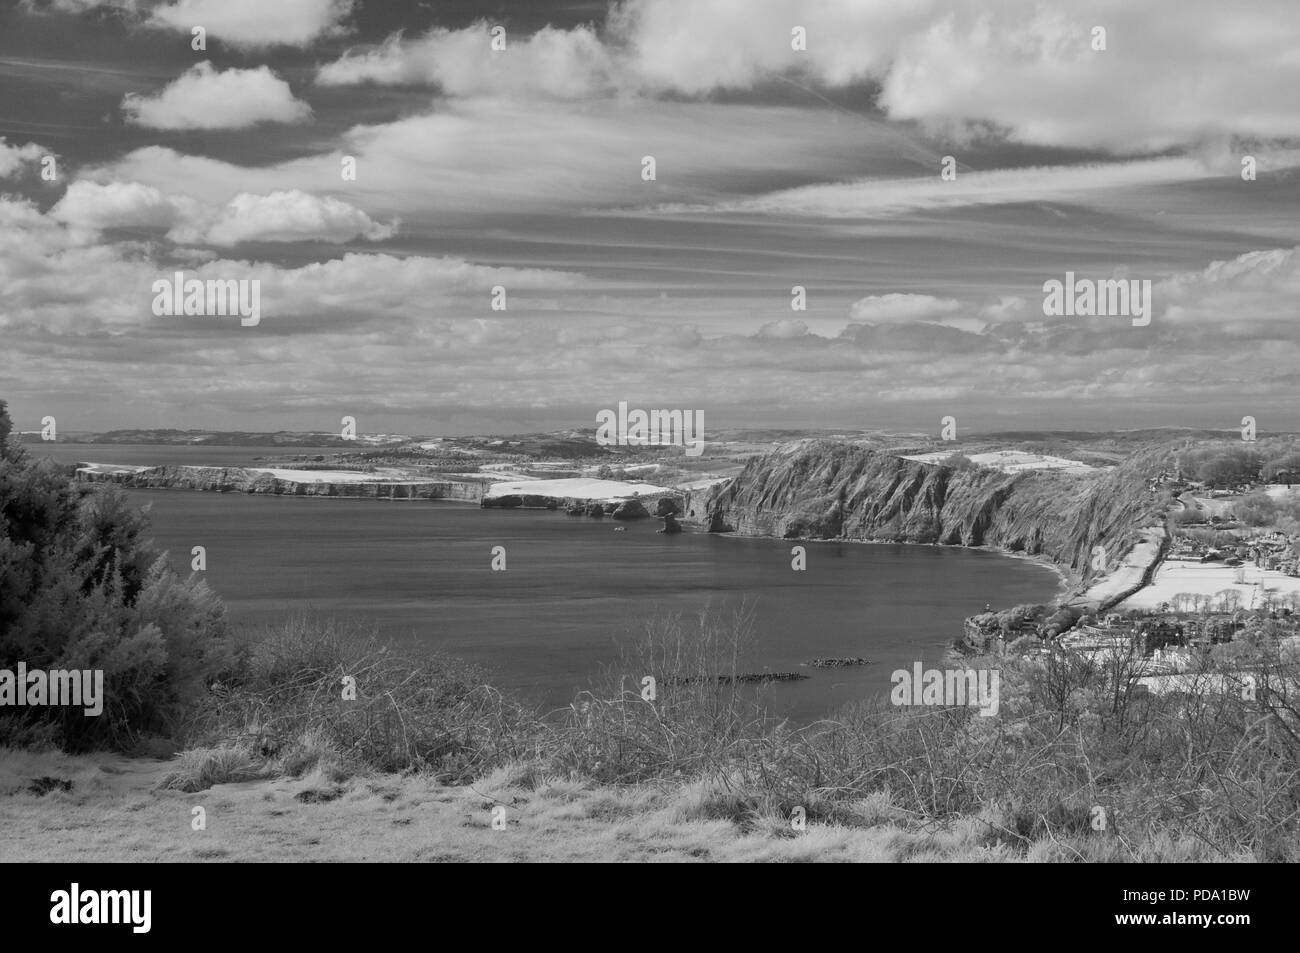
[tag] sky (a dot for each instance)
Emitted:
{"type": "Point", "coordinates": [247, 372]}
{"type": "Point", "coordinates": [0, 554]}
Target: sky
{"type": "Point", "coordinates": [127, 155]}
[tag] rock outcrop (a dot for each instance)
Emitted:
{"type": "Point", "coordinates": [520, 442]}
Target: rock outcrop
{"type": "Point", "coordinates": [630, 510]}
{"type": "Point", "coordinates": [667, 506]}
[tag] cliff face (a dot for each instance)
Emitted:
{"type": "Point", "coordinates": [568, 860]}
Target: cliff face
{"type": "Point", "coordinates": [827, 490]}
{"type": "Point", "coordinates": [238, 480]}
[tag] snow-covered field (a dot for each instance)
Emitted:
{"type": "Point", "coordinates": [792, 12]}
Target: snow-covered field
{"type": "Point", "coordinates": [340, 476]}
{"type": "Point", "coordinates": [1208, 579]}
{"type": "Point", "coordinates": [1009, 461]}
{"type": "Point", "coordinates": [1131, 568]}
{"type": "Point", "coordinates": [111, 468]}
{"type": "Point", "coordinates": [1215, 506]}
{"type": "Point", "coordinates": [578, 488]}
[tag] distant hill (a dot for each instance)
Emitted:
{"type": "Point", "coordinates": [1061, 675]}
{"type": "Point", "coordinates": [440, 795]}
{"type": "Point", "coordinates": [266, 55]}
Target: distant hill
{"type": "Point", "coordinates": [218, 438]}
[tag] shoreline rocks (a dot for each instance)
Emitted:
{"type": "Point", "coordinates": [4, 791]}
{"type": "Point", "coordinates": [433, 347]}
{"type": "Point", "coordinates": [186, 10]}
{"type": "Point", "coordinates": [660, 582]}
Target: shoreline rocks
{"type": "Point", "coordinates": [630, 510]}
{"type": "Point", "coordinates": [748, 678]}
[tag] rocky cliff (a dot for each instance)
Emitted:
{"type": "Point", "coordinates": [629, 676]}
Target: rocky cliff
{"type": "Point", "coordinates": [822, 489]}
{"type": "Point", "coordinates": [239, 480]}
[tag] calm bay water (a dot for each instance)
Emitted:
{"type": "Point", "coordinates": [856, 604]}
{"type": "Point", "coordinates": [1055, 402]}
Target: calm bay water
{"type": "Point", "coordinates": [551, 624]}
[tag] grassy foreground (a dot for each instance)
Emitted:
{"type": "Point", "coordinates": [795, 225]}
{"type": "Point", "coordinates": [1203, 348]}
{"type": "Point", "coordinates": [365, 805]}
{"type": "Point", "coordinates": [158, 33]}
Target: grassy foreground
{"type": "Point", "coordinates": [321, 746]}
{"type": "Point", "coordinates": [119, 810]}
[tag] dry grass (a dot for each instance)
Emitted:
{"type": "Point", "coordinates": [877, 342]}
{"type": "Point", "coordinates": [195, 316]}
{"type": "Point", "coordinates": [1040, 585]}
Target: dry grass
{"type": "Point", "coordinates": [119, 809]}
{"type": "Point", "coordinates": [335, 697]}
{"type": "Point", "coordinates": [200, 768]}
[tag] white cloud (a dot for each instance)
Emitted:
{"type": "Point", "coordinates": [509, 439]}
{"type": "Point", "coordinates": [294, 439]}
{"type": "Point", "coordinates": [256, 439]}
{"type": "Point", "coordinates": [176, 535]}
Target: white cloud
{"type": "Point", "coordinates": [1256, 290]}
{"type": "Point", "coordinates": [13, 158]}
{"type": "Point", "coordinates": [866, 198]}
{"type": "Point", "coordinates": [402, 333]}
{"type": "Point", "coordinates": [784, 330]}
{"type": "Point", "coordinates": [1020, 65]}
{"type": "Point", "coordinates": [562, 63]}
{"type": "Point", "coordinates": [1008, 308]}
{"type": "Point", "coordinates": [51, 279]}
{"type": "Point", "coordinates": [479, 159]}
{"type": "Point", "coordinates": [901, 308]}
{"type": "Point", "coordinates": [292, 216]}
{"type": "Point", "coordinates": [696, 47]}
{"type": "Point", "coordinates": [1172, 73]}
{"type": "Point", "coordinates": [89, 208]}
{"type": "Point", "coordinates": [256, 23]}
{"type": "Point", "coordinates": [205, 98]}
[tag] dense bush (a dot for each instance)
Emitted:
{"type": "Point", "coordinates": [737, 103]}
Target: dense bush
{"type": "Point", "coordinates": [1222, 465]}
{"type": "Point", "coordinates": [323, 696]}
{"type": "Point", "coordinates": [1260, 509]}
{"type": "Point", "coordinates": [1283, 469]}
{"type": "Point", "coordinates": [80, 588]}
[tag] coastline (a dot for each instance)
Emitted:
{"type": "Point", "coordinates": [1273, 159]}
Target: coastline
{"type": "Point", "coordinates": [1069, 588]}
{"type": "Point", "coordinates": [320, 497]}
{"type": "Point", "coordinates": [1067, 582]}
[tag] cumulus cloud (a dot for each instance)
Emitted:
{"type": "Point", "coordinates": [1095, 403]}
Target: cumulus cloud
{"type": "Point", "coordinates": [898, 308]}
{"type": "Point", "coordinates": [395, 324]}
{"type": "Point", "coordinates": [784, 330]}
{"type": "Point", "coordinates": [51, 279]}
{"type": "Point", "coordinates": [292, 216]}
{"type": "Point", "coordinates": [13, 158]}
{"type": "Point", "coordinates": [1007, 308]}
{"type": "Point", "coordinates": [524, 147]}
{"type": "Point", "coordinates": [256, 23]}
{"type": "Point", "coordinates": [206, 98]}
{"type": "Point", "coordinates": [562, 63]}
{"type": "Point", "coordinates": [1031, 69]}
{"type": "Point", "coordinates": [1020, 68]}
{"type": "Point", "coordinates": [697, 47]}
{"type": "Point", "coordinates": [89, 208]}
{"type": "Point", "coordinates": [1252, 292]}
{"type": "Point", "coordinates": [1019, 65]}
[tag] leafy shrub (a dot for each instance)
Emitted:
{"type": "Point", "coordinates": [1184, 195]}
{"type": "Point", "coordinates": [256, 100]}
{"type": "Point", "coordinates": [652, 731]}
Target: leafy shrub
{"type": "Point", "coordinates": [80, 588]}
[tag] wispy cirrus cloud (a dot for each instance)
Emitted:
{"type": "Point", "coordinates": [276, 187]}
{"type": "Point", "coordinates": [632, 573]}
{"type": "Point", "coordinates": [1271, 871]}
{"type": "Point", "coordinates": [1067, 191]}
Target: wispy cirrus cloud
{"type": "Point", "coordinates": [876, 197]}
